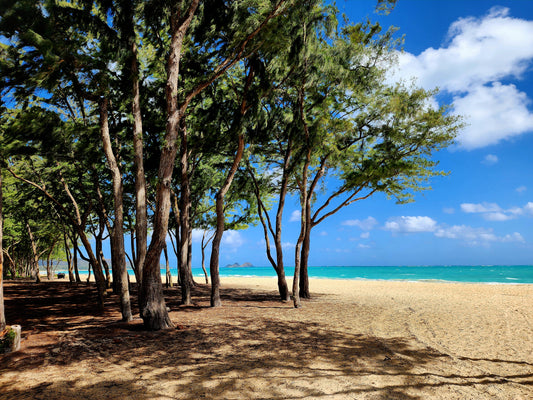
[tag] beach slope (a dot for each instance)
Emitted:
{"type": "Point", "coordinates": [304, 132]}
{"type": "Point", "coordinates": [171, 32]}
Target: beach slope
{"type": "Point", "coordinates": [352, 340]}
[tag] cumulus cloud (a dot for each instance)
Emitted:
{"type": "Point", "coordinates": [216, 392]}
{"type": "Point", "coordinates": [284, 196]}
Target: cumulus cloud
{"type": "Point", "coordinates": [411, 224]}
{"type": "Point", "coordinates": [232, 239]}
{"type": "Point", "coordinates": [295, 216]}
{"type": "Point", "coordinates": [469, 235]}
{"type": "Point", "coordinates": [365, 235]}
{"type": "Point", "coordinates": [478, 55]}
{"type": "Point", "coordinates": [480, 208]}
{"type": "Point", "coordinates": [493, 113]}
{"type": "Point", "coordinates": [475, 236]}
{"type": "Point", "coordinates": [493, 212]}
{"type": "Point", "coordinates": [365, 224]}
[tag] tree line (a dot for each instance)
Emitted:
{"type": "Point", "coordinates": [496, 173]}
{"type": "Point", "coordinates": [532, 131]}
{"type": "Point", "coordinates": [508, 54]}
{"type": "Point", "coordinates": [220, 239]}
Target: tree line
{"type": "Point", "coordinates": [153, 116]}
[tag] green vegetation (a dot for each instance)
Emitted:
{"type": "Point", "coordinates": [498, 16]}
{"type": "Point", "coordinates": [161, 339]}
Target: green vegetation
{"type": "Point", "coordinates": [128, 116]}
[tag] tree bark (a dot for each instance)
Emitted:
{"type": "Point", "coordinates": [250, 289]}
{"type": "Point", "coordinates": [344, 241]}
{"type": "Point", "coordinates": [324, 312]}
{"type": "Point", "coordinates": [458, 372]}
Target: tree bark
{"type": "Point", "coordinates": [75, 257]}
{"type": "Point", "coordinates": [71, 277]}
{"type": "Point", "coordinates": [280, 271]}
{"type": "Point", "coordinates": [141, 220]}
{"type": "Point", "coordinates": [35, 256]}
{"type": "Point", "coordinates": [215, 249]}
{"type": "Point", "coordinates": [2, 312]}
{"type": "Point", "coordinates": [168, 276]}
{"type": "Point", "coordinates": [185, 207]}
{"type": "Point", "coordinates": [153, 309]}
{"type": "Point", "coordinates": [118, 255]}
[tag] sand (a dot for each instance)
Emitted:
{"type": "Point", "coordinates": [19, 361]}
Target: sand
{"type": "Point", "coordinates": [352, 340]}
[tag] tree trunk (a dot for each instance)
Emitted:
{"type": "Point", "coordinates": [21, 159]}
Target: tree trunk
{"type": "Point", "coordinates": [152, 304]}
{"type": "Point", "coordinates": [97, 268]}
{"type": "Point", "coordinates": [2, 313]}
{"type": "Point", "coordinates": [119, 258]}
{"type": "Point", "coordinates": [168, 276]}
{"type": "Point", "coordinates": [185, 207]}
{"type": "Point", "coordinates": [49, 274]}
{"type": "Point", "coordinates": [71, 277]}
{"type": "Point", "coordinates": [204, 245]}
{"type": "Point", "coordinates": [75, 257]}
{"type": "Point", "coordinates": [280, 270]}
{"type": "Point", "coordinates": [215, 249]}
{"type": "Point", "coordinates": [141, 221]}
{"type": "Point", "coordinates": [35, 256]}
{"type": "Point", "coordinates": [304, 276]}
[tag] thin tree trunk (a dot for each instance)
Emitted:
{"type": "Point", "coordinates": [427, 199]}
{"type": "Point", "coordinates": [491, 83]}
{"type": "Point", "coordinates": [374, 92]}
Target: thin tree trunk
{"type": "Point", "coordinates": [185, 207]}
{"type": "Point", "coordinates": [118, 255]}
{"type": "Point", "coordinates": [141, 220]}
{"type": "Point", "coordinates": [215, 249]}
{"type": "Point", "coordinates": [2, 312]}
{"type": "Point", "coordinates": [75, 257]}
{"type": "Point", "coordinates": [35, 256]}
{"type": "Point", "coordinates": [49, 271]}
{"type": "Point", "coordinates": [168, 276]}
{"type": "Point", "coordinates": [71, 277]}
{"type": "Point", "coordinates": [304, 275]}
{"type": "Point", "coordinates": [280, 271]}
{"type": "Point", "coordinates": [204, 245]}
{"type": "Point", "coordinates": [98, 274]}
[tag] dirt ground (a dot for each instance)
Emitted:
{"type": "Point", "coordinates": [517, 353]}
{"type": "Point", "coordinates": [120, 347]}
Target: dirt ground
{"type": "Point", "coordinates": [379, 342]}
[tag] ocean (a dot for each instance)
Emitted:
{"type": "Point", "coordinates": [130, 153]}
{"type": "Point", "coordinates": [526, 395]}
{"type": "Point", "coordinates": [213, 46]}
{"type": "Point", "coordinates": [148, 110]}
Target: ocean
{"type": "Point", "coordinates": [510, 274]}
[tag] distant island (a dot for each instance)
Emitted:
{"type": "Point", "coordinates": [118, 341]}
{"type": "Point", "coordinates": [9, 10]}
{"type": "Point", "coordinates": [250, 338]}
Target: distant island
{"type": "Point", "coordinates": [237, 265]}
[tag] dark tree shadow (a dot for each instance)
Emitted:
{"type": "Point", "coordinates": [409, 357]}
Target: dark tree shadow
{"type": "Point", "coordinates": [245, 356]}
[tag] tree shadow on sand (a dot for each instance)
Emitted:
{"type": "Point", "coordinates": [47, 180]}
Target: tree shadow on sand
{"type": "Point", "coordinates": [247, 356]}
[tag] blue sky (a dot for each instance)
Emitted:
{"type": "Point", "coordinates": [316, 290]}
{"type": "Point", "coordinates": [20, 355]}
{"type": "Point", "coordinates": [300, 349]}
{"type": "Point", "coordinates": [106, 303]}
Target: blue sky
{"type": "Point", "coordinates": [480, 54]}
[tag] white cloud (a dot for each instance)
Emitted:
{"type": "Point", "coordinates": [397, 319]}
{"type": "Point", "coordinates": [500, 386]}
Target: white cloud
{"type": "Point", "coordinates": [493, 212]}
{"type": "Point", "coordinates": [288, 245]}
{"type": "Point", "coordinates": [493, 113]}
{"type": "Point", "coordinates": [521, 189]}
{"type": "Point", "coordinates": [480, 208]}
{"type": "Point", "coordinates": [363, 246]}
{"type": "Point", "coordinates": [295, 216]}
{"type": "Point", "coordinates": [366, 224]}
{"type": "Point", "coordinates": [365, 235]}
{"type": "Point", "coordinates": [449, 210]}
{"type": "Point", "coordinates": [323, 233]}
{"type": "Point", "coordinates": [232, 239]}
{"type": "Point", "coordinates": [479, 54]}
{"type": "Point", "coordinates": [411, 224]}
{"type": "Point", "coordinates": [490, 159]}
{"type": "Point", "coordinates": [497, 216]}
{"type": "Point", "coordinates": [475, 236]}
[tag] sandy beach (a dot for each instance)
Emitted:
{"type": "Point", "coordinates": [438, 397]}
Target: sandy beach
{"type": "Point", "coordinates": [352, 340]}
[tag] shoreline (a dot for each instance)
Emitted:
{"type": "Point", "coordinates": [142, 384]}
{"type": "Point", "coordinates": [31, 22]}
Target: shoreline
{"type": "Point", "coordinates": [200, 279]}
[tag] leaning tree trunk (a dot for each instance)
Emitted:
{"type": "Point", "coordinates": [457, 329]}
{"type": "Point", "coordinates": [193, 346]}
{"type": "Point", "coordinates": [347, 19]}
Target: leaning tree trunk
{"type": "Point", "coordinates": [280, 270]}
{"type": "Point", "coordinates": [119, 257]}
{"type": "Point", "coordinates": [153, 309]}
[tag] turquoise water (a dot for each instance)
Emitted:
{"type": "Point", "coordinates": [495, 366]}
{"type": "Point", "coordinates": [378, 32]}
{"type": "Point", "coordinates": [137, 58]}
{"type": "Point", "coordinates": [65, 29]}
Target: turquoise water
{"type": "Point", "coordinates": [459, 273]}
